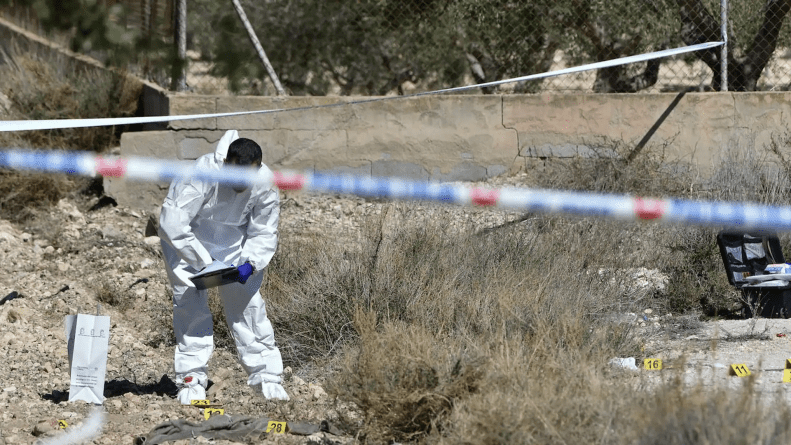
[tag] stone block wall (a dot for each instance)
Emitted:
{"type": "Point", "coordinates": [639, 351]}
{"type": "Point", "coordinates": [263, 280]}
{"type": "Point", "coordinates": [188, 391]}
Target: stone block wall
{"type": "Point", "coordinates": [461, 137]}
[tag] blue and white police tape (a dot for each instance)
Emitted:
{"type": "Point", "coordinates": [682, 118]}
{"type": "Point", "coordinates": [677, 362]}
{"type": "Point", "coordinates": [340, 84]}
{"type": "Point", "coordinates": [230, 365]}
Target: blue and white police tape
{"type": "Point", "coordinates": [745, 216]}
{"type": "Point", "coordinates": [51, 124]}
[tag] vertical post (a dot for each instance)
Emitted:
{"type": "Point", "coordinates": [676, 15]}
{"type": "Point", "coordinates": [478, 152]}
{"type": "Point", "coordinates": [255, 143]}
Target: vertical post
{"type": "Point", "coordinates": [145, 17]}
{"type": "Point", "coordinates": [724, 48]}
{"type": "Point", "coordinates": [259, 49]}
{"type": "Point", "coordinates": [181, 45]}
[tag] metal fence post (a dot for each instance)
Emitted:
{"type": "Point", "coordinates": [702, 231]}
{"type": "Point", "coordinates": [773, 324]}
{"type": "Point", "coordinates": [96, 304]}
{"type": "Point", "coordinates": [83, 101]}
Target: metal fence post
{"type": "Point", "coordinates": [181, 43]}
{"type": "Point", "coordinates": [259, 49]}
{"type": "Point", "coordinates": [724, 48]}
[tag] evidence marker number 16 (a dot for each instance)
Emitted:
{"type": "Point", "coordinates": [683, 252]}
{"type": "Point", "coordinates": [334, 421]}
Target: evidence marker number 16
{"type": "Point", "coordinates": [652, 364]}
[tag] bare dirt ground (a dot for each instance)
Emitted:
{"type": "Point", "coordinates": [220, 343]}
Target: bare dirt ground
{"type": "Point", "coordinates": [62, 266]}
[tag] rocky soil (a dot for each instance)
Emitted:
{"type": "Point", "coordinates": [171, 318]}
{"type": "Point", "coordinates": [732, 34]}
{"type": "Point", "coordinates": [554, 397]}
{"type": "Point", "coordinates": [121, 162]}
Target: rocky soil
{"type": "Point", "coordinates": [76, 257]}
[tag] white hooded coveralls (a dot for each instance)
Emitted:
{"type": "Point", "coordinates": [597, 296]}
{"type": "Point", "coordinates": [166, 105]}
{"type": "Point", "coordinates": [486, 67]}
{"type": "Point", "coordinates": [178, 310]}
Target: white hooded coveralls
{"type": "Point", "coordinates": [203, 221]}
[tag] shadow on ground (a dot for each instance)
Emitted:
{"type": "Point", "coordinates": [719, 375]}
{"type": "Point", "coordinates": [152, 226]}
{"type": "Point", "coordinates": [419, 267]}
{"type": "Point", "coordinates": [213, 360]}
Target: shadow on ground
{"type": "Point", "coordinates": [115, 388]}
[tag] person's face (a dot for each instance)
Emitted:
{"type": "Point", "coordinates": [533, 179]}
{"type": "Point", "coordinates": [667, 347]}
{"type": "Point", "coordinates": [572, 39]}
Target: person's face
{"type": "Point", "coordinates": [235, 161]}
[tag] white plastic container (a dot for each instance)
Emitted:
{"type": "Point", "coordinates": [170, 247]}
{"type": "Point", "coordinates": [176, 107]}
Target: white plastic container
{"type": "Point", "coordinates": [778, 268]}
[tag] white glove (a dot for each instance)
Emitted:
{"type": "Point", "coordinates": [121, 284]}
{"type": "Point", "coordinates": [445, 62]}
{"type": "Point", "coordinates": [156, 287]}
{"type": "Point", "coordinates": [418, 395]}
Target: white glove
{"type": "Point", "coordinates": [273, 391]}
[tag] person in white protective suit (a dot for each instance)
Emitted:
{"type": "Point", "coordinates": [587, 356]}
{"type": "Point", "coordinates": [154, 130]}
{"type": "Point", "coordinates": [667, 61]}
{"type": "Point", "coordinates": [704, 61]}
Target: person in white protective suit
{"type": "Point", "coordinates": [201, 222]}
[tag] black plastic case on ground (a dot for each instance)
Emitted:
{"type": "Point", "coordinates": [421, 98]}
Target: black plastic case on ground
{"type": "Point", "coordinates": [745, 255]}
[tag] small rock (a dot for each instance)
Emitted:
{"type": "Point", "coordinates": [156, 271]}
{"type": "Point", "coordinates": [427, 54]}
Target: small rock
{"type": "Point", "coordinates": [151, 240]}
{"type": "Point", "coordinates": [110, 231]}
{"type": "Point", "coordinates": [44, 427]}
{"type": "Point", "coordinates": [624, 363]}
{"type": "Point", "coordinates": [63, 267]}
{"type": "Point", "coordinates": [148, 262]}
{"type": "Point", "coordinates": [297, 381]}
{"type": "Point", "coordinates": [318, 391]}
{"type": "Point", "coordinates": [648, 311]}
{"type": "Point", "coordinates": [8, 339]}
{"type": "Point", "coordinates": [14, 316]}
{"type": "Point", "coordinates": [71, 210]}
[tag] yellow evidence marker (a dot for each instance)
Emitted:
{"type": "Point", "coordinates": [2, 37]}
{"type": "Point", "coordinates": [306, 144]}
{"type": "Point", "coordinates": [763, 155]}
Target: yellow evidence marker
{"type": "Point", "coordinates": [208, 412]}
{"type": "Point", "coordinates": [62, 424]}
{"type": "Point", "coordinates": [787, 375]}
{"type": "Point", "coordinates": [652, 364]}
{"type": "Point", "coordinates": [739, 370]}
{"type": "Point", "coordinates": [276, 427]}
{"type": "Point", "coordinates": [200, 403]}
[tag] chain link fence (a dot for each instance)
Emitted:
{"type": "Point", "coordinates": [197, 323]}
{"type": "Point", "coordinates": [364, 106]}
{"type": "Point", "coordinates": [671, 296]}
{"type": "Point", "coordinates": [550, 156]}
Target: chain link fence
{"type": "Point", "coordinates": [387, 47]}
{"type": "Point", "coordinates": [379, 47]}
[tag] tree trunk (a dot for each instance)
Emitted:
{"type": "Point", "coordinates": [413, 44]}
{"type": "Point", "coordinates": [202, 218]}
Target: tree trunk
{"type": "Point", "coordinates": [614, 79]}
{"type": "Point", "coordinates": [699, 26]}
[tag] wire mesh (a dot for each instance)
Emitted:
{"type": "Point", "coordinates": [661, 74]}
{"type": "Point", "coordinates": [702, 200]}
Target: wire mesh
{"type": "Point", "coordinates": [380, 47]}
{"type": "Point", "coordinates": [385, 47]}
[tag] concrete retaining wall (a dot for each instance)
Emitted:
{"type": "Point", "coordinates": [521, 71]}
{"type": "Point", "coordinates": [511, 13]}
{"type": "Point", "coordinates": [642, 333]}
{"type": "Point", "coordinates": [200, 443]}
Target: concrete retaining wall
{"type": "Point", "coordinates": [465, 137]}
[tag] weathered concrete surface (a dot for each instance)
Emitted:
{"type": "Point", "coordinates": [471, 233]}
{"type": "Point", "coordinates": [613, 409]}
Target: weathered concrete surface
{"type": "Point", "coordinates": [465, 137]}
{"type": "Point", "coordinates": [698, 130]}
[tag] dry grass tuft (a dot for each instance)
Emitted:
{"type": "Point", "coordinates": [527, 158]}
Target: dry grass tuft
{"type": "Point", "coordinates": [677, 414]}
{"type": "Point", "coordinates": [405, 382]}
{"type": "Point", "coordinates": [615, 167]}
{"type": "Point", "coordinates": [110, 293]}
{"type": "Point", "coordinates": [23, 193]}
{"type": "Point", "coordinates": [36, 88]}
{"type": "Point", "coordinates": [42, 89]}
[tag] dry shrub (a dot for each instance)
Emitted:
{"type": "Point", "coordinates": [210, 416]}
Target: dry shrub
{"type": "Point", "coordinates": [23, 193]}
{"type": "Point", "coordinates": [43, 89]}
{"type": "Point", "coordinates": [503, 335]}
{"type": "Point", "coordinates": [111, 293]}
{"type": "Point", "coordinates": [676, 414]}
{"type": "Point", "coordinates": [447, 302]}
{"type": "Point", "coordinates": [614, 167]}
{"type": "Point", "coordinates": [313, 285]}
{"type": "Point", "coordinates": [402, 380]}
{"type": "Point", "coordinates": [52, 89]}
{"type": "Point", "coordinates": [754, 175]}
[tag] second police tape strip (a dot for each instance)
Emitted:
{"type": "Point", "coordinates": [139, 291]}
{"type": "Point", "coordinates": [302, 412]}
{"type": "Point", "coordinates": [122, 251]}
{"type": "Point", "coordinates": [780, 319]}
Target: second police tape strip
{"type": "Point", "coordinates": [744, 216]}
{"type": "Point", "coordinates": [51, 124]}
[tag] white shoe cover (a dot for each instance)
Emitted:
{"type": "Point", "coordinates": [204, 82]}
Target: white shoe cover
{"type": "Point", "coordinates": [273, 391]}
{"type": "Point", "coordinates": [193, 391]}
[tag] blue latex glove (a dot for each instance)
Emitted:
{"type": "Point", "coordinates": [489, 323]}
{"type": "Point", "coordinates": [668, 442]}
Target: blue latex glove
{"type": "Point", "coordinates": [245, 270]}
